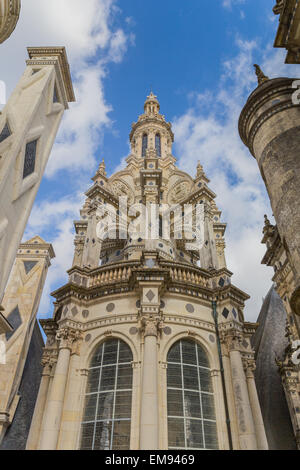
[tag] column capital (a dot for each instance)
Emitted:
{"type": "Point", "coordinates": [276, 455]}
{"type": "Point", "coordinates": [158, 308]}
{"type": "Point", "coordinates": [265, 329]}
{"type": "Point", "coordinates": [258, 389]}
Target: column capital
{"type": "Point", "coordinates": [249, 367]}
{"type": "Point", "coordinates": [69, 339]}
{"type": "Point", "coordinates": [150, 325]}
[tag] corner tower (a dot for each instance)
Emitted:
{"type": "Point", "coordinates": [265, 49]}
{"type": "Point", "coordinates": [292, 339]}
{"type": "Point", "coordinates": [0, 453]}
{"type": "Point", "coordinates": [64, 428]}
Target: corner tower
{"type": "Point", "coordinates": [148, 347]}
{"type": "Point", "coordinates": [269, 126]}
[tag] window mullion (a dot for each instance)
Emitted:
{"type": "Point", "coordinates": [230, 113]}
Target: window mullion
{"type": "Point", "coordinates": [98, 394]}
{"type": "Point", "coordinates": [200, 397]}
{"type": "Point", "coordinates": [115, 394]}
{"type": "Point", "coordinates": [183, 402]}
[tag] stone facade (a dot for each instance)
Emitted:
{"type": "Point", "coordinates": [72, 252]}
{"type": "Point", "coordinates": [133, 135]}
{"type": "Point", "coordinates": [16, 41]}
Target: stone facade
{"type": "Point", "coordinates": [269, 126]}
{"type": "Point", "coordinates": [28, 126]}
{"type": "Point", "coordinates": [9, 16]}
{"type": "Point", "coordinates": [148, 298]}
{"type": "Point", "coordinates": [21, 302]}
{"type": "Point", "coordinates": [288, 34]}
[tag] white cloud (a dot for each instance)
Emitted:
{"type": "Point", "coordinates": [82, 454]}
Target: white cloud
{"type": "Point", "coordinates": [229, 3]}
{"type": "Point", "coordinates": [208, 132]}
{"type": "Point", "coordinates": [86, 29]}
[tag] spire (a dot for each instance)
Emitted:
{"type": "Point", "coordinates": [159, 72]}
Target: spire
{"type": "Point", "coordinates": [101, 173]}
{"type": "Point", "coordinates": [261, 77]}
{"type": "Point", "coordinates": [151, 105]}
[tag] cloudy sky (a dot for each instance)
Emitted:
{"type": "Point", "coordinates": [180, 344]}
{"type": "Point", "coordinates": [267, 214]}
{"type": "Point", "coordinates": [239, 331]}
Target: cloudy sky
{"type": "Point", "coordinates": [198, 58]}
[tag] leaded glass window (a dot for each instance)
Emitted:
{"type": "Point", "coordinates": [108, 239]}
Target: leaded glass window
{"type": "Point", "coordinates": [55, 95]}
{"type": "Point", "coordinates": [191, 409]}
{"type": "Point", "coordinates": [158, 145]}
{"type": "Point", "coordinates": [30, 156]}
{"type": "Point", "coordinates": [14, 318]}
{"type": "Point", "coordinates": [107, 411]}
{"type": "Point", "coordinates": [6, 132]}
{"type": "Point", "coordinates": [144, 145]}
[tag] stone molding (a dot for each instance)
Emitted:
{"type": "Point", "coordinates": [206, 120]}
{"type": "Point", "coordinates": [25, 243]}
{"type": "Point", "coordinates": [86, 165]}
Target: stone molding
{"type": "Point", "coordinates": [9, 16]}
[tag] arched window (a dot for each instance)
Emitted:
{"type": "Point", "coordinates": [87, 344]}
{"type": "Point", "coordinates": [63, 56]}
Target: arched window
{"type": "Point", "coordinates": [191, 409]}
{"type": "Point", "coordinates": [107, 411]}
{"type": "Point", "coordinates": [144, 145]}
{"type": "Point", "coordinates": [158, 145]}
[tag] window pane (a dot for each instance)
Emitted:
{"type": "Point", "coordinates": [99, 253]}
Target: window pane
{"type": "Point", "coordinates": [125, 354]}
{"type": "Point", "coordinates": [174, 376]}
{"type": "Point", "coordinates": [90, 408]}
{"type": "Point", "coordinates": [110, 352]}
{"type": "Point", "coordinates": [124, 379]}
{"type": "Point", "coordinates": [144, 145]}
{"type": "Point", "coordinates": [121, 439]}
{"type": "Point", "coordinates": [87, 435]}
{"type": "Point", "coordinates": [174, 353]}
{"type": "Point", "coordinates": [105, 406]}
{"type": "Point", "coordinates": [123, 405]}
{"type": "Point", "coordinates": [103, 435]}
{"type": "Point", "coordinates": [210, 431]}
{"type": "Point", "coordinates": [189, 353]}
{"type": "Point", "coordinates": [176, 433]}
{"type": "Point", "coordinates": [205, 380]}
{"type": "Point", "coordinates": [202, 357]}
{"type": "Point", "coordinates": [192, 408]}
{"type": "Point", "coordinates": [190, 378]}
{"type": "Point", "coordinates": [158, 145]}
{"type": "Point", "coordinates": [175, 407]}
{"type": "Point", "coordinates": [194, 433]}
{"type": "Point", "coordinates": [108, 378]}
{"type": "Point", "coordinates": [93, 380]}
{"type": "Point", "coordinates": [96, 359]}
{"type": "Point", "coordinates": [208, 406]}
{"type": "Point", "coordinates": [29, 161]}
{"type": "Point", "coordinates": [108, 398]}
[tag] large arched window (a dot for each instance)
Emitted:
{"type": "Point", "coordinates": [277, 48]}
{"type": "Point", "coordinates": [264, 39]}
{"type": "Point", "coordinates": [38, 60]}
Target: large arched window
{"type": "Point", "coordinates": [107, 411]}
{"type": "Point", "coordinates": [191, 409]}
{"type": "Point", "coordinates": [144, 144]}
{"type": "Point", "coordinates": [158, 145]}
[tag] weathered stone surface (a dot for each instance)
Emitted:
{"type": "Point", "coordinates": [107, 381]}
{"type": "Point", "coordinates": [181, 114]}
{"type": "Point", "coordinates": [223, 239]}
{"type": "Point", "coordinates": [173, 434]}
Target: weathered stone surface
{"type": "Point", "coordinates": [269, 341]}
{"type": "Point", "coordinates": [16, 435]}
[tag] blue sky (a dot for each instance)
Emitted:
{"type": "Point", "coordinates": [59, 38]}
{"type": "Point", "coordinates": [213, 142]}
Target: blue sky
{"type": "Point", "coordinates": [197, 56]}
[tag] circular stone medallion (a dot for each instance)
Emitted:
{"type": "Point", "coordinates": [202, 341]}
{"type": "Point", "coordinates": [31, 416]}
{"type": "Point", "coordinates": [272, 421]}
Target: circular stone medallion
{"type": "Point", "coordinates": [110, 308]}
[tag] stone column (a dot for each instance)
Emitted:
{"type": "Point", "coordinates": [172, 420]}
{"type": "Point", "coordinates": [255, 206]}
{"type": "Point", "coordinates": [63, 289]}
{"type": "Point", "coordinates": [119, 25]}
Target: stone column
{"type": "Point", "coordinates": [54, 408]}
{"type": "Point", "coordinates": [149, 398]}
{"type": "Point", "coordinates": [70, 422]}
{"type": "Point", "coordinates": [245, 420]}
{"type": "Point", "coordinates": [36, 423]}
{"type": "Point", "coordinates": [262, 443]}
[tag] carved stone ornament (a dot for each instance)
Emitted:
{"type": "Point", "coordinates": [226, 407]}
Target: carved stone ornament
{"type": "Point", "coordinates": [179, 192]}
{"type": "Point", "coordinates": [9, 15]}
{"type": "Point", "coordinates": [68, 338]}
{"type": "Point", "coordinates": [121, 189]}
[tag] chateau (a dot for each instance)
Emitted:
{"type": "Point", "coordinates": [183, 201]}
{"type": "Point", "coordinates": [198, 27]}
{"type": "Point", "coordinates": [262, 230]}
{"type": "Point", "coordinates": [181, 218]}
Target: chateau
{"type": "Point", "coordinates": [147, 350]}
{"type": "Point", "coordinates": [148, 347]}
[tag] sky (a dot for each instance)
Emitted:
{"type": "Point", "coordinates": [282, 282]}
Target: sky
{"type": "Point", "coordinates": [197, 56]}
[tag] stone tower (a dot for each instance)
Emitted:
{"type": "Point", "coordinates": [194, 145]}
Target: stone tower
{"type": "Point", "coordinates": [270, 127]}
{"type": "Point", "coordinates": [28, 126]}
{"type": "Point", "coordinates": [148, 347]}
{"type": "Point", "coordinates": [21, 302]}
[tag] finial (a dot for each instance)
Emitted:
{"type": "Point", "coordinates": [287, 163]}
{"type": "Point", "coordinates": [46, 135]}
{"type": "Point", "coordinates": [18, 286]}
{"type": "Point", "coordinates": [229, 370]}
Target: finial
{"type": "Point", "coordinates": [200, 171]}
{"type": "Point", "coordinates": [261, 77]}
{"type": "Point", "coordinates": [101, 169]}
{"type": "Point", "coordinates": [278, 8]}
{"type": "Point", "coordinates": [267, 222]}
